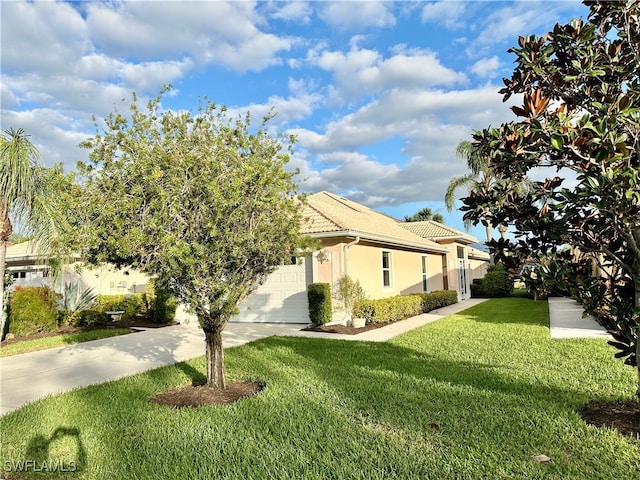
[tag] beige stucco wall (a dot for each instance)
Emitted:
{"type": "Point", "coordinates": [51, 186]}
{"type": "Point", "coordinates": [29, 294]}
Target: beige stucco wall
{"type": "Point", "coordinates": [105, 280]}
{"type": "Point", "coordinates": [478, 268]}
{"type": "Point", "coordinates": [364, 263]}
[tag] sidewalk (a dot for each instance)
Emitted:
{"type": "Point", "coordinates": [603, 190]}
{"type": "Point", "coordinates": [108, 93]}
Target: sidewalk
{"type": "Point", "coordinates": [31, 376]}
{"type": "Point", "coordinates": [565, 320]}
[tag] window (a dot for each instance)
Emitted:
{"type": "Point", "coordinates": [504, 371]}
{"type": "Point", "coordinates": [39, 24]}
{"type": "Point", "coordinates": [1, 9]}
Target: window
{"type": "Point", "coordinates": [445, 273]}
{"type": "Point", "coordinates": [386, 269]}
{"type": "Point", "coordinates": [425, 273]}
{"type": "Point", "coordinates": [19, 275]}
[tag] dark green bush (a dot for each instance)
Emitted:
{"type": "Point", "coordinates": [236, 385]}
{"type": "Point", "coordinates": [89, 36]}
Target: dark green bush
{"type": "Point", "coordinates": [319, 296]}
{"type": "Point", "coordinates": [389, 309]}
{"type": "Point", "coordinates": [164, 307]}
{"type": "Point", "coordinates": [496, 283]}
{"type": "Point", "coordinates": [32, 310]}
{"type": "Point", "coordinates": [159, 303]}
{"type": "Point", "coordinates": [438, 299]}
{"type": "Point", "coordinates": [477, 289]}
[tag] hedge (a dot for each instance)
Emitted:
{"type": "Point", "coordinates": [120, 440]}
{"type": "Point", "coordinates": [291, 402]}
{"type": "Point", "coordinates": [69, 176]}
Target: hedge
{"type": "Point", "coordinates": [438, 299]}
{"type": "Point", "coordinates": [32, 310]}
{"type": "Point", "coordinates": [319, 296]}
{"type": "Point", "coordinates": [400, 307]}
{"type": "Point", "coordinates": [389, 309]}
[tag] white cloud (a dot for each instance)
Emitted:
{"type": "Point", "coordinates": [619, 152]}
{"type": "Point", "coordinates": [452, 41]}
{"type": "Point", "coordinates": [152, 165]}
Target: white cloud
{"type": "Point", "coordinates": [523, 18]}
{"type": "Point", "coordinates": [41, 36]}
{"type": "Point", "coordinates": [53, 133]}
{"type": "Point", "coordinates": [486, 67]}
{"type": "Point", "coordinates": [293, 11]}
{"type": "Point", "coordinates": [429, 125]}
{"type": "Point", "coordinates": [447, 13]}
{"type": "Point", "coordinates": [356, 15]}
{"type": "Point", "coordinates": [363, 71]}
{"type": "Point", "coordinates": [210, 32]}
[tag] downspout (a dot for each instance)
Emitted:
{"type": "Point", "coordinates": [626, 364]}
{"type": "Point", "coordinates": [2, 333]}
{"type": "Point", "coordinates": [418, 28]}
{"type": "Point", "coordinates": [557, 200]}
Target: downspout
{"type": "Point", "coordinates": [345, 249]}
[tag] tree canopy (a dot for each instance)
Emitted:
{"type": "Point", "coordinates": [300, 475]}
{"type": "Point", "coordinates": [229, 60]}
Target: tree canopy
{"type": "Point", "coordinates": [196, 200]}
{"type": "Point", "coordinates": [580, 122]}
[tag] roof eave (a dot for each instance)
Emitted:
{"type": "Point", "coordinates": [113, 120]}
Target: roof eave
{"type": "Point", "coordinates": [379, 239]}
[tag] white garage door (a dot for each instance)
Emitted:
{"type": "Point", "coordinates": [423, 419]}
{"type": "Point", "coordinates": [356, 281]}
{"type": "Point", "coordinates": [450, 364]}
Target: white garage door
{"type": "Point", "coordinates": [282, 298]}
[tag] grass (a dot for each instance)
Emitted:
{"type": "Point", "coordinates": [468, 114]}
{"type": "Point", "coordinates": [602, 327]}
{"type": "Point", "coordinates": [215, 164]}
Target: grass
{"type": "Point", "coordinates": [476, 395]}
{"type": "Point", "coordinates": [61, 340]}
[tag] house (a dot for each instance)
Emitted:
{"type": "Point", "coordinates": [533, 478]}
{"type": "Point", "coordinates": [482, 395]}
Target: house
{"type": "Point", "coordinates": [369, 246]}
{"type": "Point", "coordinates": [464, 262]}
{"type": "Point", "coordinates": [386, 256]}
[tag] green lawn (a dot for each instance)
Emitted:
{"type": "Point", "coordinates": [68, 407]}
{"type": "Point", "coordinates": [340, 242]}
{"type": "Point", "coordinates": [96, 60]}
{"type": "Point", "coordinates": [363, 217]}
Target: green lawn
{"type": "Point", "coordinates": [62, 340]}
{"type": "Point", "coordinates": [476, 395]}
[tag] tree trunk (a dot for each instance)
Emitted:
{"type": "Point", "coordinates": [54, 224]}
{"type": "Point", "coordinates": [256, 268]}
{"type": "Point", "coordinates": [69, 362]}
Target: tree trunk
{"type": "Point", "coordinates": [489, 231]}
{"type": "Point", "coordinates": [5, 230]}
{"type": "Point", "coordinates": [3, 259]}
{"type": "Point", "coordinates": [636, 330]}
{"type": "Point", "coordinates": [215, 359]}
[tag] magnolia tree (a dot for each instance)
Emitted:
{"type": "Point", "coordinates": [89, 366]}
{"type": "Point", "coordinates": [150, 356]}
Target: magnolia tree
{"type": "Point", "coordinates": [580, 119]}
{"type": "Point", "coordinates": [201, 203]}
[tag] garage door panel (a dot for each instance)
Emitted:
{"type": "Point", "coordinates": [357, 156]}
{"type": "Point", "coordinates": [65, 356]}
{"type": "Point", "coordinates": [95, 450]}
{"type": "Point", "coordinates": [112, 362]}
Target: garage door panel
{"type": "Point", "coordinates": [282, 298]}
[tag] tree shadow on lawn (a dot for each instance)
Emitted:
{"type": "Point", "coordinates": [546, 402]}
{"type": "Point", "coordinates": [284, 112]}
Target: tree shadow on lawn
{"type": "Point", "coordinates": [460, 406]}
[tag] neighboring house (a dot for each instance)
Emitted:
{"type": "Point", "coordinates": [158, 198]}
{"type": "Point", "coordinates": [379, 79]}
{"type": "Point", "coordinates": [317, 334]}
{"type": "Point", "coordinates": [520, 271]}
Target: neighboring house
{"type": "Point", "coordinates": [464, 262]}
{"type": "Point", "coordinates": [28, 268]}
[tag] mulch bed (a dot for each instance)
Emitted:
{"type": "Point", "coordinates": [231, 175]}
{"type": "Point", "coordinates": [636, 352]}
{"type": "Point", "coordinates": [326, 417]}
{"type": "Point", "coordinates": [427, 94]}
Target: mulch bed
{"type": "Point", "coordinates": [621, 416]}
{"type": "Point", "coordinates": [135, 322]}
{"type": "Point", "coordinates": [201, 395]}
{"type": "Point", "coordinates": [346, 330]}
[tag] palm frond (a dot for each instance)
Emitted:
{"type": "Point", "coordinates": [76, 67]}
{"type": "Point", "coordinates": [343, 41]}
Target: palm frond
{"type": "Point", "coordinates": [454, 185]}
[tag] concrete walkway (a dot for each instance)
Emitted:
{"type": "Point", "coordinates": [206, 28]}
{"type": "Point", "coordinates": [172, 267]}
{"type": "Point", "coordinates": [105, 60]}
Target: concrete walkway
{"type": "Point", "coordinates": [30, 376]}
{"type": "Point", "coordinates": [565, 320]}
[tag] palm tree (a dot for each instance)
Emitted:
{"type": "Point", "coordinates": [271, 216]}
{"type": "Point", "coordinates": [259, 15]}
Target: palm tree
{"type": "Point", "coordinates": [23, 198]}
{"type": "Point", "coordinates": [480, 177]}
{"type": "Point", "coordinates": [423, 215]}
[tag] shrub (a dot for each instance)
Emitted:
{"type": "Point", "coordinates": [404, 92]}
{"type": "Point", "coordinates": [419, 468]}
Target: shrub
{"type": "Point", "coordinates": [477, 289]}
{"type": "Point", "coordinates": [132, 304]}
{"type": "Point", "coordinates": [496, 283]}
{"type": "Point", "coordinates": [388, 309]}
{"type": "Point", "coordinates": [438, 299]}
{"type": "Point", "coordinates": [32, 310]}
{"type": "Point", "coordinates": [159, 303]}
{"type": "Point", "coordinates": [319, 296]}
{"type": "Point", "coordinates": [91, 317]}
{"type": "Point", "coordinates": [349, 292]}
{"type": "Point", "coordinates": [164, 307]}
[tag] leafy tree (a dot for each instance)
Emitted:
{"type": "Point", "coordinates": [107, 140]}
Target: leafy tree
{"type": "Point", "coordinates": [195, 200]}
{"type": "Point", "coordinates": [581, 114]}
{"type": "Point", "coordinates": [424, 215]}
{"type": "Point", "coordinates": [25, 198]}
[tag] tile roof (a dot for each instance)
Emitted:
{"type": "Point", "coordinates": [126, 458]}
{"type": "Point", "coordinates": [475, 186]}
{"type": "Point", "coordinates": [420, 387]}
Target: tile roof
{"type": "Point", "coordinates": [326, 212]}
{"type": "Point", "coordinates": [24, 249]}
{"type": "Point", "coordinates": [435, 230]}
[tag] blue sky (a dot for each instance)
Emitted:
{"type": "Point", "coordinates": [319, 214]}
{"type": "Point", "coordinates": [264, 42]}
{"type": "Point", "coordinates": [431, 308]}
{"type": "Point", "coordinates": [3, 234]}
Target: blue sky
{"type": "Point", "coordinates": [378, 93]}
